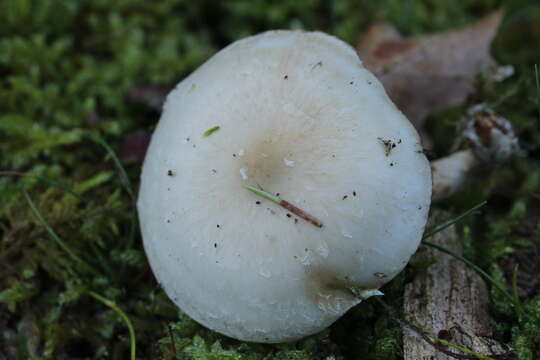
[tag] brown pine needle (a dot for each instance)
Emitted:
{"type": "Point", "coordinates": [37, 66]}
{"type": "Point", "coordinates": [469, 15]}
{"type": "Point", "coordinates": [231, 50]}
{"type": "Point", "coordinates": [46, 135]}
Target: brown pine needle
{"type": "Point", "coordinates": [287, 205]}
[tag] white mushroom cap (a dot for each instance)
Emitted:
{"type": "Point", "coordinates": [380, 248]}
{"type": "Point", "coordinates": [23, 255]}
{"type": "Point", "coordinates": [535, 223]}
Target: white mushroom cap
{"type": "Point", "coordinates": [313, 125]}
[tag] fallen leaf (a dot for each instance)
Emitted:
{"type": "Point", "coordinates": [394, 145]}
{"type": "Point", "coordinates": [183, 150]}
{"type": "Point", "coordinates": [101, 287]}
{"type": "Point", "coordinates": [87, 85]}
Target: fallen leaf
{"type": "Point", "coordinates": [432, 72]}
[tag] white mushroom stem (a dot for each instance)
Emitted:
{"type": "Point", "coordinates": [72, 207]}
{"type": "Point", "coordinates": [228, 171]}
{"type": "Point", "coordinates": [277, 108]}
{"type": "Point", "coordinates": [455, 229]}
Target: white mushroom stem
{"type": "Point", "coordinates": [451, 173]}
{"type": "Point", "coordinates": [491, 141]}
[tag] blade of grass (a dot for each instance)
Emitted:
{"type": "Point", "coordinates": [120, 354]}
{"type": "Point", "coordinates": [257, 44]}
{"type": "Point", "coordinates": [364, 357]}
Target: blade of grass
{"type": "Point", "coordinates": [475, 267]}
{"type": "Point", "coordinates": [264, 194]}
{"type": "Point", "coordinates": [537, 76]}
{"type": "Point", "coordinates": [124, 317]}
{"type": "Point", "coordinates": [439, 228]}
{"type": "Point", "coordinates": [100, 259]}
{"type": "Point", "coordinates": [514, 285]}
{"type": "Point", "coordinates": [54, 236]}
{"type": "Point", "coordinates": [45, 180]}
{"type": "Point", "coordinates": [463, 349]}
{"type": "Point", "coordinates": [124, 179]}
{"type": "Point", "coordinates": [133, 228]}
{"type": "Point", "coordinates": [211, 131]}
{"type": "Point", "coordinates": [511, 92]}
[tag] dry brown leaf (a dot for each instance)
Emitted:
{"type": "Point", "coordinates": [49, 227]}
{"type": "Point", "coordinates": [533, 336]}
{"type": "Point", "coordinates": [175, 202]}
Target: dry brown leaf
{"type": "Point", "coordinates": [432, 72]}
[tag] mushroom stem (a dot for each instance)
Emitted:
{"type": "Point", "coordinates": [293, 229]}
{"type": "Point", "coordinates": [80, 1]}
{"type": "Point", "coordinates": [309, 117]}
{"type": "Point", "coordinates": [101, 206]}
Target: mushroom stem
{"type": "Point", "coordinates": [491, 140]}
{"type": "Point", "coordinates": [451, 173]}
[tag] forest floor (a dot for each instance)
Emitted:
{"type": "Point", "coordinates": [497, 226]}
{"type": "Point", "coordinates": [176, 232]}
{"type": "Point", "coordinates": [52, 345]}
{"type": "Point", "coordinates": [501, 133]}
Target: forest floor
{"type": "Point", "coordinates": [81, 85]}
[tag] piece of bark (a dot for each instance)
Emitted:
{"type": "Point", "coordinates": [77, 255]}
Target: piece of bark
{"type": "Point", "coordinates": [450, 301]}
{"type": "Point", "coordinates": [429, 73]}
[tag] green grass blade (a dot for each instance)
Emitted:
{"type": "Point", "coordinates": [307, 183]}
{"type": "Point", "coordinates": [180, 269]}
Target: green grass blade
{"type": "Point", "coordinates": [211, 131]}
{"type": "Point", "coordinates": [45, 180]}
{"type": "Point", "coordinates": [473, 266]}
{"type": "Point", "coordinates": [124, 179]}
{"type": "Point", "coordinates": [463, 349]}
{"type": "Point", "coordinates": [537, 77]}
{"type": "Point", "coordinates": [515, 286]}
{"type": "Point", "coordinates": [263, 194]}
{"type": "Point", "coordinates": [55, 236]}
{"type": "Point", "coordinates": [124, 317]}
{"type": "Point", "coordinates": [439, 228]}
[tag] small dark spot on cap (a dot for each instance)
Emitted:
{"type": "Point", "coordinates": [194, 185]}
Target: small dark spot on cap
{"type": "Point", "coordinates": [214, 171]}
{"type": "Point", "coordinates": [258, 202]}
{"type": "Point", "coordinates": [289, 215]}
{"type": "Point", "coordinates": [187, 139]}
{"type": "Point", "coordinates": [168, 220]}
{"type": "Point", "coordinates": [344, 197]}
{"type": "Point", "coordinates": [354, 193]}
{"type": "Point", "coordinates": [217, 226]}
{"type": "Point", "coordinates": [296, 221]}
{"type": "Point", "coordinates": [391, 164]}
{"type": "Point", "coordinates": [306, 249]}
{"type": "Point", "coordinates": [286, 77]}
{"type": "Point", "coordinates": [352, 82]}
{"type": "Point", "coordinates": [194, 146]}
{"type": "Point", "coordinates": [168, 189]}
{"type": "Point", "coordinates": [419, 207]}
{"type": "Point", "coordinates": [277, 194]}
{"type": "Point", "coordinates": [234, 155]}
{"type": "Point", "coordinates": [215, 245]}
{"type": "Point", "coordinates": [399, 141]}
{"type": "Point", "coordinates": [317, 64]}
{"type": "Point", "coordinates": [170, 173]}
{"type": "Point", "coordinates": [369, 82]}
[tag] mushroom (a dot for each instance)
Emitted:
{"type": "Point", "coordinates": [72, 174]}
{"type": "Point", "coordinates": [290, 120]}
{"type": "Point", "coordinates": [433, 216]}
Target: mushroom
{"type": "Point", "coordinates": [489, 140]}
{"type": "Point", "coordinates": [327, 202]}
